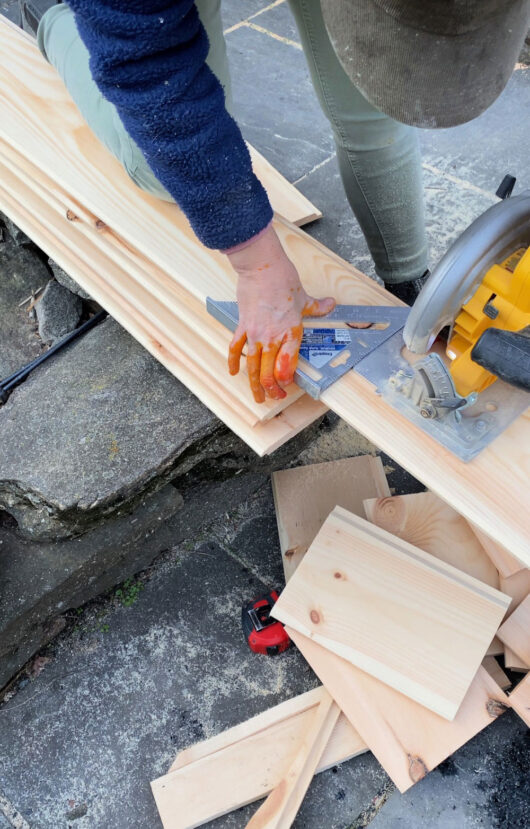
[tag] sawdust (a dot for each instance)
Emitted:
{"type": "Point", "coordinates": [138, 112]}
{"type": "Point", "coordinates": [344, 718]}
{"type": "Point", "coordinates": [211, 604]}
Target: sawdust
{"type": "Point", "coordinates": [339, 441]}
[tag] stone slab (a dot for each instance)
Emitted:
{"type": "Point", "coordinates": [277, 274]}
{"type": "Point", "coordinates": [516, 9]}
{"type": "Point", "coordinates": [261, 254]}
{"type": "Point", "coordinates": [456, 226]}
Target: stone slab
{"type": "Point", "coordinates": [92, 430]}
{"type": "Point", "coordinates": [42, 581]}
{"type": "Point", "coordinates": [58, 312]}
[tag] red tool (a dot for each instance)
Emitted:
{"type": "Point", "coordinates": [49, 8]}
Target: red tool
{"type": "Point", "coordinates": [263, 634]}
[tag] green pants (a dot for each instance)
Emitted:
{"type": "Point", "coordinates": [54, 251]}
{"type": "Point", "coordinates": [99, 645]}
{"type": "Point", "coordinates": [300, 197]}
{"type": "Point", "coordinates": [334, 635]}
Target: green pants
{"type": "Point", "coordinates": [378, 157]}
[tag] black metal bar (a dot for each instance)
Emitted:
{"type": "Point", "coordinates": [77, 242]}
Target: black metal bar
{"type": "Point", "coordinates": [9, 383]}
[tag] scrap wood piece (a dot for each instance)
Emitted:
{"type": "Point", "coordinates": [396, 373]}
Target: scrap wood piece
{"type": "Point", "coordinates": [407, 739]}
{"type": "Point", "coordinates": [518, 587]}
{"type": "Point", "coordinates": [519, 699]}
{"type": "Point", "coordinates": [407, 618]}
{"type": "Point", "coordinates": [496, 647]}
{"type": "Point", "coordinates": [305, 496]}
{"type": "Point", "coordinates": [429, 523]}
{"type": "Point", "coordinates": [86, 170]}
{"type": "Point", "coordinates": [506, 563]}
{"type": "Point", "coordinates": [245, 763]}
{"type": "Point", "coordinates": [280, 808]}
{"type": "Point", "coordinates": [496, 672]}
{"type": "Point", "coordinates": [515, 632]}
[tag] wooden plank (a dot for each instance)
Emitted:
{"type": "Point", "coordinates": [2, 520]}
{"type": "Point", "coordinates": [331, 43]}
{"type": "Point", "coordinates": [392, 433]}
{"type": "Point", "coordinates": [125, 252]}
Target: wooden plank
{"type": "Point", "coordinates": [520, 699]}
{"type": "Point", "coordinates": [518, 587]}
{"type": "Point", "coordinates": [284, 196]}
{"type": "Point", "coordinates": [263, 438]}
{"type": "Point", "coordinates": [35, 109]}
{"type": "Point", "coordinates": [280, 808]}
{"type": "Point", "coordinates": [245, 763]}
{"type": "Point", "coordinates": [409, 619]}
{"type": "Point", "coordinates": [148, 286]}
{"type": "Point", "coordinates": [504, 561]}
{"type": "Point", "coordinates": [304, 497]}
{"type": "Point", "coordinates": [426, 521]}
{"type": "Point", "coordinates": [515, 632]}
{"type": "Point", "coordinates": [496, 647]}
{"type": "Point", "coordinates": [406, 738]}
{"type": "Point", "coordinates": [495, 671]}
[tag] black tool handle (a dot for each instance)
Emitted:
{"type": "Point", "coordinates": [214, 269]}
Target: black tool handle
{"type": "Point", "coordinates": [506, 354]}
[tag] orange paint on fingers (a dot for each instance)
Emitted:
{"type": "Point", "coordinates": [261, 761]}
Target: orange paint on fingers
{"type": "Point", "coordinates": [235, 350]}
{"type": "Point", "coordinates": [254, 370]}
{"type": "Point", "coordinates": [287, 358]}
{"type": "Point", "coordinates": [268, 382]}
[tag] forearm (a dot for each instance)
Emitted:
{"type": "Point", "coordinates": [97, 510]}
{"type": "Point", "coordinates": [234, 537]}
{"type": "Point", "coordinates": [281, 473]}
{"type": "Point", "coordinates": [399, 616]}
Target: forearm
{"type": "Point", "coordinates": [148, 59]}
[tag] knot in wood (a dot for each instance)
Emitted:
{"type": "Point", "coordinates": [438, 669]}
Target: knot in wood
{"type": "Point", "coordinates": [495, 708]}
{"type": "Point", "coordinates": [417, 768]}
{"type": "Point", "coordinates": [70, 215]}
{"type": "Point", "coordinates": [315, 617]}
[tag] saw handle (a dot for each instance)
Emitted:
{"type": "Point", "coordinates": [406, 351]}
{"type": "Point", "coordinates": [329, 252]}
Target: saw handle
{"type": "Point", "coordinates": [506, 354]}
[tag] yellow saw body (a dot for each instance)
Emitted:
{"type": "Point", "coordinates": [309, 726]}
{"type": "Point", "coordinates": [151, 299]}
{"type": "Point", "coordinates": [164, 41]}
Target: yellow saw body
{"type": "Point", "coordinates": [502, 300]}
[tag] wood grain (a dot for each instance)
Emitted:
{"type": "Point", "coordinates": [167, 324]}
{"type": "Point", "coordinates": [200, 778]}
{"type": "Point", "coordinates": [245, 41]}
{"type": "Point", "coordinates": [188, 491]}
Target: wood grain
{"type": "Point", "coordinates": [304, 497]}
{"type": "Point", "coordinates": [407, 618]}
{"type": "Point", "coordinates": [285, 199]}
{"type": "Point", "coordinates": [244, 763]}
{"type": "Point", "coordinates": [407, 739]}
{"type": "Point", "coordinates": [504, 561]}
{"type": "Point", "coordinates": [515, 632]}
{"type": "Point", "coordinates": [426, 521]}
{"type": "Point", "coordinates": [520, 699]}
{"type": "Point", "coordinates": [280, 808]}
{"type": "Point", "coordinates": [35, 109]}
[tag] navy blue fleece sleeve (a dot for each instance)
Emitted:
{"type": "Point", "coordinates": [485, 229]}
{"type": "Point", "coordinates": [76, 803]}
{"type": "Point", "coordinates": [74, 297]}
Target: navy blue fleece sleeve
{"type": "Point", "coordinates": [148, 58]}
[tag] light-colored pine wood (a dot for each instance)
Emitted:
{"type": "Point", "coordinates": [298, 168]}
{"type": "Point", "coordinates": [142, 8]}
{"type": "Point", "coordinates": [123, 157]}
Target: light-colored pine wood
{"type": "Point", "coordinates": [263, 438]}
{"type": "Point", "coordinates": [496, 647]}
{"type": "Point", "coordinates": [426, 521]}
{"type": "Point", "coordinates": [496, 672]}
{"type": "Point", "coordinates": [169, 306]}
{"type": "Point", "coordinates": [515, 632]}
{"type": "Point", "coordinates": [304, 497]}
{"type": "Point", "coordinates": [284, 197]}
{"type": "Point", "coordinates": [406, 738]}
{"type": "Point", "coordinates": [35, 110]}
{"type": "Point", "coordinates": [280, 808]}
{"type": "Point", "coordinates": [518, 587]}
{"type": "Point", "coordinates": [520, 699]}
{"type": "Point", "coordinates": [245, 763]}
{"type": "Point", "coordinates": [504, 561]}
{"type": "Point", "coordinates": [409, 619]}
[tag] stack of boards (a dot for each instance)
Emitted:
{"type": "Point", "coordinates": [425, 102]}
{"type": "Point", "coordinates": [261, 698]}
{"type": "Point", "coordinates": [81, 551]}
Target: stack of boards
{"type": "Point", "coordinates": [138, 257]}
{"type": "Point", "coordinates": [395, 604]}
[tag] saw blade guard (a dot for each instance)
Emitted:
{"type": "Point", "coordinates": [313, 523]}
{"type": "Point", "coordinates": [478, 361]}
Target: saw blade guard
{"type": "Point", "coordinates": [487, 241]}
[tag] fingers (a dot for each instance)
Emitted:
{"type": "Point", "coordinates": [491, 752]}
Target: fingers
{"type": "Point", "coordinates": [287, 358]}
{"type": "Point", "coordinates": [268, 359]}
{"type": "Point", "coordinates": [254, 370]}
{"type": "Point", "coordinates": [235, 350]}
{"type": "Point", "coordinates": [318, 307]}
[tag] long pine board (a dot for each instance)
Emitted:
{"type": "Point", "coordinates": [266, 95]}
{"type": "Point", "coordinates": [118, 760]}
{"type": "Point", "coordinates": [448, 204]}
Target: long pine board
{"type": "Point", "coordinates": [35, 109]}
{"type": "Point", "coordinates": [245, 763]}
{"type": "Point", "coordinates": [407, 618]}
{"type": "Point", "coordinates": [263, 438]}
{"type": "Point", "coordinates": [305, 496]}
{"type": "Point", "coordinates": [408, 740]}
{"type": "Point", "coordinates": [426, 521]}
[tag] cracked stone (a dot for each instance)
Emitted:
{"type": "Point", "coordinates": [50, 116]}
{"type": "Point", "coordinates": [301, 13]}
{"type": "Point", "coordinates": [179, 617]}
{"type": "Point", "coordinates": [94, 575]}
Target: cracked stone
{"type": "Point", "coordinates": [58, 312]}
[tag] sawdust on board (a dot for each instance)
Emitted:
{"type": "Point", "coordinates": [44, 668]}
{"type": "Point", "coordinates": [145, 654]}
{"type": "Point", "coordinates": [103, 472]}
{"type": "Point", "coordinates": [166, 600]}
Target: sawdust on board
{"type": "Point", "coordinates": [334, 444]}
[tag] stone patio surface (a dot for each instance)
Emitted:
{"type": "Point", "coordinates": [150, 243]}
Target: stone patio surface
{"type": "Point", "coordinates": [159, 661]}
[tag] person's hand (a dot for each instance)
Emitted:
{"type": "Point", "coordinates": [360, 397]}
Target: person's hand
{"type": "Point", "coordinates": [272, 302]}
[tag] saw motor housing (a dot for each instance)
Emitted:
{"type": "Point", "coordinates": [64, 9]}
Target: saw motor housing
{"type": "Point", "coordinates": [502, 301]}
